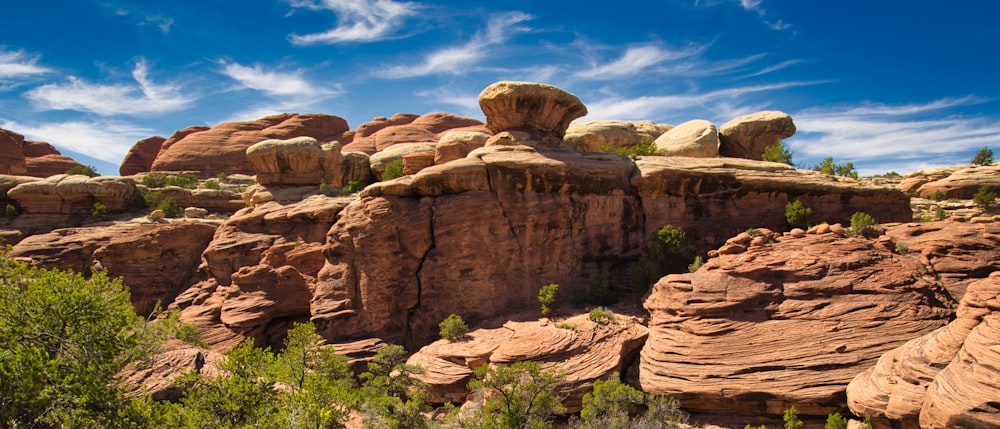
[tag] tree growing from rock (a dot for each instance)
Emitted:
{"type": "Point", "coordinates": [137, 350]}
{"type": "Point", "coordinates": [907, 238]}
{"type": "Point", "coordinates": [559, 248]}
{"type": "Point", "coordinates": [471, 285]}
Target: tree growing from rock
{"type": "Point", "coordinates": [547, 298]}
{"type": "Point", "coordinates": [453, 327]}
{"type": "Point", "coordinates": [778, 152]}
{"type": "Point", "coordinates": [984, 198]}
{"type": "Point", "coordinates": [797, 214]}
{"type": "Point", "coordinates": [983, 157]}
{"type": "Point", "coordinates": [515, 396]}
{"type": "Point", "coordinates": [827, 166]}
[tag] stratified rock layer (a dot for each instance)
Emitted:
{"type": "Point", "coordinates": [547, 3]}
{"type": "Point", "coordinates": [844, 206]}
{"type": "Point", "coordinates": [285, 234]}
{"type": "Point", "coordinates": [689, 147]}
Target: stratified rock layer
{"type": "Point", "coordinates": [598, 136]}
{"type": "Point", "coordinates": [12, 154]}
{"type": "Point", "coordinates": [140, 157]}
{"type": "Point", "coordinates": [697, 138]}
{"type": "Point", "coordinates": [542, 111]}
{"type": "Point", "coordinates": [747, 136]}
{"type": "Point", "coordinates": [789, 323]}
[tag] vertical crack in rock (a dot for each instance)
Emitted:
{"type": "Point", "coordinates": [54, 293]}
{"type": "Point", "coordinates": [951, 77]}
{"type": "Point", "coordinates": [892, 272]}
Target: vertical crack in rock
{"type": "Point", "coordinates": [408, 335]}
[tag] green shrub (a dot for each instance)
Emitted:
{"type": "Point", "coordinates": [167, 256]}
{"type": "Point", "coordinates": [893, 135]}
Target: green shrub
{"type": "Point", "coordinates": [352, 186]}
{"type": "Point", "coordinates": [547, 298]}
{"type": "Point", "coordinates": [211, 184]}
{"type": "Point", "coordinates": [902, 249]}
{"type": "Point", "coordinates": [601, 316]}
{"type": "Point", "coordinates": [863, 224]}
{"type": "Point", "coordinates": [563, 325]}
{"type": "Point", "coordinates": [696, 264]}
{"type": "Point", "coordinates": [835, 421]}
{"type": "Point", "coordinates": [519, 395]}
{"type": "Point", "coordinates": [791, 418]}
{"type": "Point", "coordinates": [170, 208]}
{"type": "Point", "coordinates": [778, 152]}
{"type": "Point", "coordinates": [183, 180]}
{"type": "Point", "coordinates": [797, 214]}
{"type": "Point", "coordinates": [983, 157]}
{"type": "Point", "coordinates": [85, 170]}
{"type": "Point", "coordinates": [937, 195]}
{"type": "Point", "coordinates": [602, 290]}
{"type": "Point", "coordinates": [940, 214]}
{"type": "Point", "coordinates": [646, 147]}
{"type": "Point", "coordinates": [393, 170]}
{"type": "Point", "coordinates": [10, 211]}
{"type": "Point", "coordinates": [984, 198]}
{"type": "Point", "coordinates": [453, 327]}
{"type": "Point", "coordinates": [154, 180]}
{"type": "Point", "coordinates": [753, 232]}
{"type": "Point", "coordinates": [221, 177]}
{"type": "Point", "coordinates": [98, 210]}
{"type": "Point", "coordinates": [829, 167]}
{"type": "Point", "coordinates": [668, 253]}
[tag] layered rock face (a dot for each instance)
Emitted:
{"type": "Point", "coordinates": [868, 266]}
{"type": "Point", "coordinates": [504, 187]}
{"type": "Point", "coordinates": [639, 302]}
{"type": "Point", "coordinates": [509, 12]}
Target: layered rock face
{"type": "Point", "coordinates": [69, 199]}
{"type": "Point", "coordinates": [942, 379]}
{"type": "Point", "coordinates": [542, 111]}
{"type": "Point", "coordinates": [588, 352]}
{"type": "Point", "coordinates": [383, 133]}
{"type": "Point", "coordinates": [222, 148]}
{"type": "Point", "coordinates": [12, 154]}
{"type": "Point", "coordinates": [697, 138]}
{"type": "Point", "coordinates": [43, 160]}
{"type": "Point", "coordinates": [595, 136]}
{"type": "Point", "coordinates": [953, 182]}
{"type": "Point", "coordinates": [297, 161]}
{"type": "Point", "coordinates": [140, 156]}
{"type": "Point", "coordinates": [789, 323]}
{"type": "Point", "coordinates": [747, 136]}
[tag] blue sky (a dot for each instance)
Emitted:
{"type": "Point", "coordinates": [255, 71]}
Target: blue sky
{"type": "Point", "coordinates": [889, 85]}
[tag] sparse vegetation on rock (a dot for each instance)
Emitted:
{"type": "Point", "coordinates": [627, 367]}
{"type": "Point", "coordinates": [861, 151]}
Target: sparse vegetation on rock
{"type": "Point", "coordinates": [518, 395]}
{"type": "Point", "coordinates": [797, 214]}
{"type": "Point", "coordinates": [778, 152]}
{"type": "Point", "coordinates": [864, 225]}
{"type": "Point", "coordinates": [667, 253]}
{"type": "Point", "coordinates": [983, 157]}
{"type": "Point", "coordinates": [453, 327]}
{"type": "Point", "coordinates": [827, 166]}
{"type": "Point", "coordinates": [547, 298]}
{"type": "Point", "coordinates": [985, 198]}
{"type": "Point", "coordinates": [393, 170]}
{"type": "Point", "coordinates": [85, 170]}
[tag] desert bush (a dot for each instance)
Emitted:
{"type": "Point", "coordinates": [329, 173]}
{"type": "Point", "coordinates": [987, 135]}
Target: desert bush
{"type": "Point", "coordinates": [602, 290]}
{"type": "Point", "coordinates": [211, 184]}
{"type": "Point", "coordinates": [170, 208]}
{"type": "Point", "coordinates": [668, 252]}
{"type": "Point", "coordinates": [646, 147]}
{"type": "Point", "coordinates": [518, 395]}
{"type": "Point", "coordinates": [797, 214]}
{"type": "Point", "coordinates": [183, 180]}
{"type": "Point", "coordinates": [791, 418]}
{"type": "Point", "coordinates": [863, 224]}
{"type": "Point", "coordinates": [352, 186]}
{"type": "Point", "coordinates": [829, 167]}
{"type": "Point", "coordinates": [10, 211]}
{"type": "Point", "coordinates": [391, 397]}
{"type": "Point", "coordinates": [154, 180]}
{"type": "Point", "coordinates": [453, 327]}
{"type": "Point", "coordinates": [616, 405]}
{"type": "Point", "coordinates": [983, 157]}
{"type": "Point", "coordinates": [393, 170]}
{"type": "Point", "coordinates": [937, 196]}
{"type": "Point", "coordinates": [98, 210]}
{"type": "Point", "coordinates": [85, 170]}
{"type": "Point", "coordinates": [601, 316]}
{"type": "Point", "coordinates": [835, 421]}
{"type": "Point", "coordinates": [547, 298]}
{"type": "Point", "coordinates": [902, 249]}
{"type": "Point", "coordinates": [939, 213]}
{"type": "Point", "coordinates": [564, 325]}
{"type": "Point", "coordinates": [778, 152]}
{"type": "Point", "coordinates": [696, 264]}
{"type": "Point", "coordinates": [984, 198]}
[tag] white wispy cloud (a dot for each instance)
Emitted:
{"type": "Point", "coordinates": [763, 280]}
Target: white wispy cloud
{"type": "Point", "coordinates": [17, 64]}
{"type": "Point", "coordinates": [637, 59]}
{"type": "Point", "coordinates": [871, 134]}
{"type": "Point", "coordinates": [142, 98]}
{"type": "Point", "coordinates": [659, 106]}
{"type": "Point", "coordinates": [752, 5]}
{"type": "Point", "coordinates": [466, 102]}
{"type": "Point", "coordinates": [463, 58]}
{"type": "Point", "coordinates": [357, 20]}
{"type": "Point", "coordinates": [276, 82]}
{"type": "Point", "coordinates": [104, 140]}
{"type": "Point", "coordinates": [163, 23]}
{"type": "Point", "coordinates": [774, 68]}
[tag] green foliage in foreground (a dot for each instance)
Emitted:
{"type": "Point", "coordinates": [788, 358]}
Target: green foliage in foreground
{"type": "Point", "coordinates": [393, 170]}
{"type": "Point", "coordinates": [646, 147]}
{"type": "Point", "coordinates": [63, 337]}
{"type": "Point", "coordinates": [984, 198]}
{"type": "Point", "coordinates": [777, 152]}
{"type": "Point", "coordinates": [453, 327]}
{"type": "Point", "coordinates": [829, 167]}
{"type": "Point", "coordinates": [797, 214]}
{"type": "Point", "coordinates": [983, 157]}
{"type": "Point", "coordinates": [518, 395]}
{"type": "Point", "coordinates": [613, 405]}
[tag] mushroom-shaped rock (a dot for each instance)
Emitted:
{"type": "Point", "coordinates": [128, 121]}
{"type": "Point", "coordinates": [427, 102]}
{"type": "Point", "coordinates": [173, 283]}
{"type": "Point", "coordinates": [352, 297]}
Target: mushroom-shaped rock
{"type": "Point", "coordinates": [696, 139]}
{"type": "Point", "coordinates": [748, 135]}
{"type": "Point", "coordinates": [296, 161]}
{"type": "Point", "coordinates": [593, 136]}
{"type": "Point", "coordinates": [543, 111]}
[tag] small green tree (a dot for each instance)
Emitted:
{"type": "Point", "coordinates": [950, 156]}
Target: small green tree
{"type": "Point", "coordinates": [391, 394]}
{"type": "Point", "coordinates": [791, 418]}
{"type": "Point", "coordinates": [521, 396]}
{"type": "Point", "coordinates": [778, 152]}
{"type": "Point", "coordinates": [983, 157]}
{"type": "Point", "coordinates": [829, 167]}
{"type": "Point", "coordinates": [547, 298]}
{"type": "Point", "coordinates": [98, 210]}
{"type": "Point", "coordinates": [154, 180]}
{"type": "Point", "coordinates": [797, 214]}
{"type": "Point", "coordinates": [645, 147]}
{"type": "Point", "coordinates": [668, 253]}
{"type": "Point", "coordinates": [696, 264]}
{"type": "Point", "coordinates": [863, 224]}
{"type": "Point", "coordinates": [318, 383]}
{"type": "Point", "coordinates": [84, 170]}
{"type": "Point", "coordinates": [10, 211]}
{"type": "Point", "coordinates": [616, 405]}
{"type": "Point", "coordinates": [453, 327]}
{"type": "Point", "coordinates": [211, 184]}
{"type": "Point", "coordinates": [835, 421]}
{"type": "Point", "coordinates": [602, 290]}
{"type": "Point", "coordinates": [170, 207]}
{"type": "Point", "coordinates": [393, 170]}
{"type": "Point", "coordinates": [183, 180]}
{"type": "Point", "coordinates": [984, 198]}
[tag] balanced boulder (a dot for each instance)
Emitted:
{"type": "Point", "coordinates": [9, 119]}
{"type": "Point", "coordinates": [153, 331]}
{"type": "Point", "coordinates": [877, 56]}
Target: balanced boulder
{"type": "Point", "coordinates": [543, 111]}
{"type": "Point", "coordinates": [747, 136]}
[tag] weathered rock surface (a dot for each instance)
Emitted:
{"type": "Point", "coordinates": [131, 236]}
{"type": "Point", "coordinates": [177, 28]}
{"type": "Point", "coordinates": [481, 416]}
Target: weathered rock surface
{"type": "Point", "coordinates": [396, 153]}
{"type": "Point", "coordinates": [945, 378]}
{"type": "Point", "coordinates": [789, 323]}
{"type": "Point", "coordinates": [587, 353]}
{"type": "Point", "coordinates": [156, 261]}
{"type": "Point", "coordinates": [213, 200]}
{"type": "Point", "coordinates": [593, 136]}
{"type": "Point", "coordinates": [542, 111]}
{"type": "Point", "coordinates": [44, 160]}
{"type": "Point", "coordinates": [457, 145]}
{"type": "Point", "coordinates": [12, 154]}
{"type": "Point", "coordinates": [377, 136]}
{"type": "Point", "coordinates": [140, 157]}
{"type": "Point", "coordinates": [222, 148]}
{"type": "Point", "coordinates": [954, 182]}
{"type": "Point", "coordinates": [157, 375]}
{"type": "Point", "coordinates": [697, 138]}
{"type": "Point", "coordinates": [68, 199]}
{"type": "Point", "coordinates": [297, 161]}
{"type": "Point", "coordinates": [747, 136]}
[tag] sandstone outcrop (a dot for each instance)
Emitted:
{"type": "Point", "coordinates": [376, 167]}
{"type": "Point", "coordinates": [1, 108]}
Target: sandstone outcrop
{"type": "Point", "coordinates": [587, 352]}
{"type": "Point", "coordinates": [747, 136]}
{"type": "Point", "coordinates": [542, 111]}
{"type": "Point", "coordinates": [945, 378]}
{"type": "Point", "coordinates": [44, 160]}
{"type": "Point", "coordinates": [156, 261]}
{"type": "Point", "coordinates": [297, 161]}
{"type": "Point", "coordinates": [69, 199]}
{"type": "Point", "coordinates": [379, 135]}
{"type": "Point", "coordinates": [12, 154]}
{"type": "Point", "coordinates": [457, 145]}
{"type": "Point", "coordinates": [397, 152]}
{"type": "Point", "coordinates": [156, 376]}
{"type": "Point", "coordinates": [141, 155]}
{"type": "Point", "coordinates": [697, 138]}
{"type": "Point", "coordinates": [222, 148]}
{"type": "Point", "coordinates": [953, 182]}
{"type": "Point", "coordinates": [789, 323]}
{"type": "Point", "coordinates": [594, 136]}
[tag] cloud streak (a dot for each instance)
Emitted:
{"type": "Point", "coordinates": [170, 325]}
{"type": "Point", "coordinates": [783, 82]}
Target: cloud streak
{"type": "Point", "coordinates": [104, 140]}
{"type": "Point", "coordinates": [637, 59]}
{"type": "Point", "coordinates": [463, 58]}
{"type": "Point", "coordinates": [357, 20]}
{"type": "Point", "coordinates": [275, 83]}
{"type": "Point", "coordinates": [143, 98]}
{"type": "Point", "coordinates": [18, 64]}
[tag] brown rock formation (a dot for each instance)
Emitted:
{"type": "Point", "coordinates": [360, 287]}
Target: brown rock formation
{"type": "Point", "coordinates": [943, 379]}
{"type": "Point", "coordinates": [784, 324]}
{"type": "Point", "coordinates": [748, 135]}
{"type": "Point", "coordinates": [12, 154]}
{"type": "Point", "coordinates": [397, 152]}
{"type": "Point", "coordinates": [157, 375]}
{"type": "Point", "coordinates": [156, 261]}
{"type": "Point", "coordinates": [140, 157]}
{"type": "Point", "coordinates": [542, 111]}
{"type": "Point", "coordinates": [222, 148]}
{"type": "Point", "coordinates": [50, 165]}
{"type": "Point", "coordinates": [68, 200]}
{"type": "Point", "coordinates": [587, 353]}
{"type": "Point", "coordinates": [697, 138]}
{"type": "Point", "coordinates": [297, 161]}
{"type": "Point", "coordinates": [402, 129]}
{"type": "Point", "coordinates": [457, 145]}
{"type": "Point", "coordinates": [593, 136]}
{"type": "Point", "coordinates": [954, 182]}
